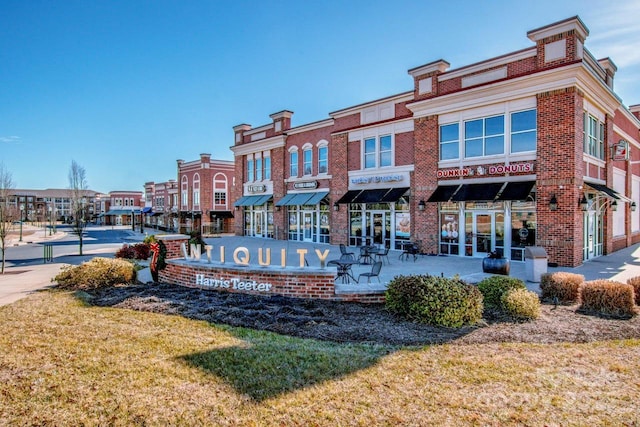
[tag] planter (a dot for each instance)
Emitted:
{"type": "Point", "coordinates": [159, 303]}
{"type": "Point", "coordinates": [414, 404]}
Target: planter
{"type": "Point", "coordinates": [496, 266]}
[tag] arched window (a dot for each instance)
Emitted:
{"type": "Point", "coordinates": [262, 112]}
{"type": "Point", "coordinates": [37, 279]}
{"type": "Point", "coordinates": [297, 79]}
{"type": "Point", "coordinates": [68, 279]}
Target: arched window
{"type": "Point", "coordinates": [220, 192]}
{"type": "Point", "coordinates": [196, 192]}
{"type": "Point", "coordinates": [184, 190]}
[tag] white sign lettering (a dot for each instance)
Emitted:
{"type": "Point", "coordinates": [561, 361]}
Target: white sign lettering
{"type": "Point", "coordinates": [233, 283]}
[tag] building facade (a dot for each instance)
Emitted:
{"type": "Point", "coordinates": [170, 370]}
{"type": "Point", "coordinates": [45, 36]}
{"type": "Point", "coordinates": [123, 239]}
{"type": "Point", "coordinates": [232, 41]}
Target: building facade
{"type": "Point", "coordinates": [204, 187]}
{"type": "Point", "coordinates": [48, 205]}
{"type": "Point", "coordinates": [532, 148]}
{"type": "Point", "coordinates": [125, 208]}
{"type": "Point", "coordinates": [161, 205]}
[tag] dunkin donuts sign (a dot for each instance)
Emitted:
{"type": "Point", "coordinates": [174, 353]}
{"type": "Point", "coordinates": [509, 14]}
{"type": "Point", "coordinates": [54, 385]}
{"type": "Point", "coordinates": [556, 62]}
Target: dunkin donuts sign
{"type": "Point", "coordinates": [491, 170]}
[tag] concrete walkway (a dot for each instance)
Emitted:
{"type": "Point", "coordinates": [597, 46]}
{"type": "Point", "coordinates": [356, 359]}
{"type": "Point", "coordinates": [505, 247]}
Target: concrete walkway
{"type": "Point", "coordinates": [18, 282]}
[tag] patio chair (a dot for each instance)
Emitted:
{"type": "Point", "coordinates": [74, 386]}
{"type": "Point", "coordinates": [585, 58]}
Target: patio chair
{"type": "Point", "coordinates": [382, 254]}
{"type": "Point", "coordinates": [343, 250]}
{"type": "Point", "coordinates": [410, 249]}
{"type": "Point", "coordinates": [375, 272]}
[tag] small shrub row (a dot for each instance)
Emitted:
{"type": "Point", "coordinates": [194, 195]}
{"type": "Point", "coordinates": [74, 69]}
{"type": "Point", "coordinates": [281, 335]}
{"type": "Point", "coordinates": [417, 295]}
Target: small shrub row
{"type": "Point", "coordinates": [510, 296]}
{"type": "Point", "coordinates": [434, 300]}
{"type": "Point", "coordinates": [561, 287]}
{"type": "Point", "coordinates": [137, 251]}
{"type": "Point", "coordinates": [96, 273]}
{"type": "Point", "coordinates": [608, 298]}
{"type": "Point", "coordinates": [635, 283]}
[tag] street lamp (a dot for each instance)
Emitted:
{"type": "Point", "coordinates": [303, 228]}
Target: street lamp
{"type": "Point", "coordinates": [21, 216]}
{"type": "Point", "coordinates": [50, 212]}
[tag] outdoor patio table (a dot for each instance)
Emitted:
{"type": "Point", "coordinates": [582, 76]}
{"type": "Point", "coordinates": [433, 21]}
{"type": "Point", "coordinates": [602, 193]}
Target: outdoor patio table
{"type": "Point", "coordinates": [344, 269]}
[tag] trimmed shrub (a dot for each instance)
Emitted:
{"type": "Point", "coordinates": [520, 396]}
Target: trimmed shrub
{"type": "Point", "coordinates": [608, 298]}
{"type": "Point", "coordinates": [561, 287]}
{"type": "Point", "coordinates": [521, 304]}
{"type": "Point", "coordinates": [492, 288]}
{"type": "Point", "coordinates": [137, 251]}
{"type": "Point", "coordinates": [126, 252]}
{"type": "Point", "coordinates": [434, 300]}
{"type": "Point", "coordinates": [96, 273]}
{"type": "Point", "coordinates": [635, 282]}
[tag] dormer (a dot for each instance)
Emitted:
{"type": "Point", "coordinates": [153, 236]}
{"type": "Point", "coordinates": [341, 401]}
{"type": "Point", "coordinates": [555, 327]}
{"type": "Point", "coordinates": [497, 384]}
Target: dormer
{"type": "Point", "coordinates": [425, 78]}
{"type": "Point", "coordinates": [559, 43]}
{"type": "Point", "coordinates": [281, 121]}
{"type": "Point", "coordinates": [239, 131]}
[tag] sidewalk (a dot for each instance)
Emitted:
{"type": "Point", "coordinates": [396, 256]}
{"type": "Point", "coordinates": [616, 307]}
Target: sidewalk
{"type": "Point", "coordinates": [32, 234]}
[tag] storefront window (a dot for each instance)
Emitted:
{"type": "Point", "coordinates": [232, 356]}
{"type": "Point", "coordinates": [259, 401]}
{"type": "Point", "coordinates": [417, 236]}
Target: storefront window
{"type": "Point", "coordinates": [325, 228]}
{"type": "Point", "coordinates": [355, 228]}
{"type": "Point", "coordinates": [523, 228]}
{"type": "Point", "coordinates": [449, 233]}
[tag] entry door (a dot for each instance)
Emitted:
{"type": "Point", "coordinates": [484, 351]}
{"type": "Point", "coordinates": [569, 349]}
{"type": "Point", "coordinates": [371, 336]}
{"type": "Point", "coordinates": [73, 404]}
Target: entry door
{"type": "Point", "coordinates": [483, 233]}
{"type": "Point", "coordinates": [258, 223]}
{"type": "Point", "coordinates": [307, 226]}
{"type": "Point", "coordinates": [593, 235]}
{"type": "Point", "coordinates": [377, 227]}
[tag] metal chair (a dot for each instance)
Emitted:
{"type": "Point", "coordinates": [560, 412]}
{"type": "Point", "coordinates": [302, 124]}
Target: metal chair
{"type": "Point", "coordinates": [343, 250]}
{"type": "Point", "coordinates": [382, 254]}
{"type": "Point", "coordinates": [375, 272]}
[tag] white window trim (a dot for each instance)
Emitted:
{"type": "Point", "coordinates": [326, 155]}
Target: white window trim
{"type": "Point", "coordinates": [377, 137]}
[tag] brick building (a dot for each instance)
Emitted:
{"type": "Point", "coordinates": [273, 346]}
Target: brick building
{"type": "Point", "coordinates": [161, 205]}
{"type": "Point", "coordinates": [533, 147]}
{"type": "Point", "coordinates": [204, 186]}
{"type": "Point", "coordinates": [124, 208]}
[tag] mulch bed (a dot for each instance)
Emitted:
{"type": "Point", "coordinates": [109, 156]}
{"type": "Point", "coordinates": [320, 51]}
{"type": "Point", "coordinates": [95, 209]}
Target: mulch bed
{"type": "Point", "coordinates": [355, 322]}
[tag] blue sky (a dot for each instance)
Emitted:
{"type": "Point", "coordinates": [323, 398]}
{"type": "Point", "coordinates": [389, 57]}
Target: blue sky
{"type": "Point", "coordinates": [125, 88]}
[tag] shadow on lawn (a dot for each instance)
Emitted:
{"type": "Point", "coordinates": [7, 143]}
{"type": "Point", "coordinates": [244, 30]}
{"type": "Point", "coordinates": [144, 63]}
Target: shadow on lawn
{"type": "Point", "coordinates": [268, 366]}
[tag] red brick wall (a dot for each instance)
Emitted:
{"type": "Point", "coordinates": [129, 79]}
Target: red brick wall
{"type": "Point", "coordinates": [425, 223]}
{"type": "Point", "coordinates": [404, 148]}
{"type": "Point", "coordinates": [339, 186]}
{"type": "Point", "coordinates": [560, 137]}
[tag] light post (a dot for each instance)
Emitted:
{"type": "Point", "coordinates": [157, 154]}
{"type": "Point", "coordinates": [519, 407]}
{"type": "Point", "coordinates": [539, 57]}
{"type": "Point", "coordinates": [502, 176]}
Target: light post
{"type": "Point", "coordinates": [50, 213]}
{"type": "Point", "coordinates": [21, 216]}
{"type": "Point", "coordinates": [133, 221]}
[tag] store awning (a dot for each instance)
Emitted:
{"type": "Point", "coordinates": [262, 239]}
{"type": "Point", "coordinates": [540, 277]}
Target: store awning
{"type": "Point", "coordinates": [517, 190]}
{"type": "Point", "coordinates": [317, 197]}
{"type": "Point", "coordinates": [147, 210]}
{"type": "Point", "coordinates": [220, 214]}
{"type": "Point", "coordinates": [394, 194]}
{"type": "Point", "coordinates": [285, 200]}
{"type": "Point", "coordinates": [605, 190]}
{"type": "Point", "coordinates": [443, 193]}
{"type": "Point", "coordinates": [477, 192]}
{"type": "Point", "coordinates": [370, 196]}
{"type": "Point", "coordinates": [252, 200]}
{"type": "Point", "coordinates": [122, 212]}
{"type": "Point", "coordinates": [349, 196]}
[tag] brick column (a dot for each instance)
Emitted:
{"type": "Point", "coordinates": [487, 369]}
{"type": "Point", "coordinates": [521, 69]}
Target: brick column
{"type": "Point", "coordinates": [424, 181]}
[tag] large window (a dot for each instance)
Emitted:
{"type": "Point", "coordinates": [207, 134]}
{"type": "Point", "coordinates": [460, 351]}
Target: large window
{"type": "Point", "coordinates": [593, 135]}
{"type": "Point", "coordinates": [323, 159]}
{"type": "Point", "coordinates": [378, 152]}
{"type": "Point", "coordinates": [449, 141]}
{"type": "Point", "coordinates": [523, 131]}
{"type": "Point", "coordinates": [220, 198]}
{"type": "Point", "coordinates": [293, 163]}
{"type": "Point", "coordinates": [484, 137]}
{"type": "Point", "coordinates": [258, 169]}
{"type": "Point", "coordinates": [307, 162]}
{"type": "Point", "coordinates": [267, 168]}
{"type": "Point", "coordinates": [250, 169]}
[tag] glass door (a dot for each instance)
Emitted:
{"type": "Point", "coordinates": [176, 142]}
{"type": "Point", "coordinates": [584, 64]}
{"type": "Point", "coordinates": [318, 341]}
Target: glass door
{"type": "Point", "coordinates": [258, 218]}
{"type": "Point", "coordinates": [307, 226]}
{"type": "Point", "coordinates": [483, 234]}
{"type": "Point", "coordinates": [377, 228]}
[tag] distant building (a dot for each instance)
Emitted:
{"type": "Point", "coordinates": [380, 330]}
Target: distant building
{"type": "Point", "coordinates": [204, 195]}
{"type": "Point", "coordinates": [161, 205]}
{"type": "Point", "coordinates": [124, 208]}
{"type": "Point", "coordinates": [48, 205]}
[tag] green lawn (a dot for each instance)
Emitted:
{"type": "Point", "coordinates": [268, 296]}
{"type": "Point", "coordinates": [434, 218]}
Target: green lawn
{"type": "Point", "coordinates": [63, 362]}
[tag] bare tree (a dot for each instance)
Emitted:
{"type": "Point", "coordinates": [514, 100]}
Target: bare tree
{"type": "Point", "coordinates": [79, 204]}
{"type": "Point", "coordinates": [8, 211]}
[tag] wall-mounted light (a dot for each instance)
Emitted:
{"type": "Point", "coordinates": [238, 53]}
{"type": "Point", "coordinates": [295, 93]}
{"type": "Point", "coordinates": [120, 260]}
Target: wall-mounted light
{"type": "Point", "coordinates": [336, 206]}
{"type": "Point", "coordinates": [633, 206]}
{"type": "Point", "coordinates": [237, 208]}
{"type": "Point", "coordinates": [278, 208]}
{"type": "Point", "coordinates": [553, 203]}
{"type": "Point", "coordinates": [614, 206]}
{"type": "Point", "coordinates": [583, 203]}
{"type": "Point", "coordinates": [422, 205]}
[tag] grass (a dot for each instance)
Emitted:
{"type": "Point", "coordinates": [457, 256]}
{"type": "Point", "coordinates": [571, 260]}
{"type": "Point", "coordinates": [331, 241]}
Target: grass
{"type": "Point", "coordinates": [66, 363]}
